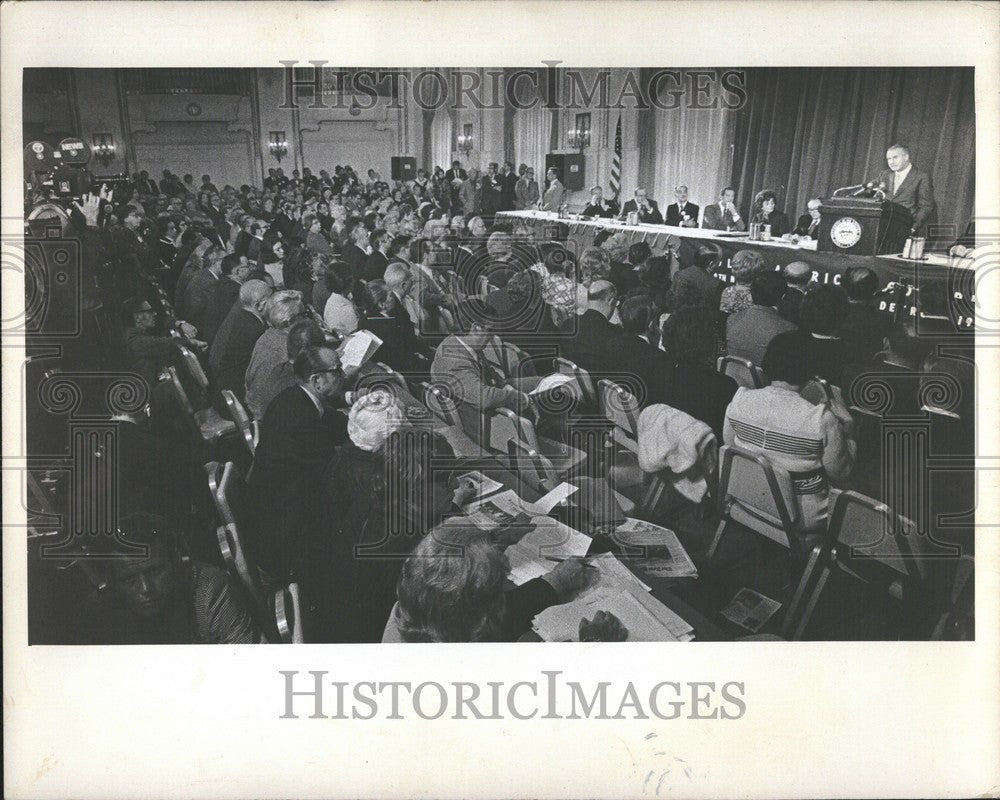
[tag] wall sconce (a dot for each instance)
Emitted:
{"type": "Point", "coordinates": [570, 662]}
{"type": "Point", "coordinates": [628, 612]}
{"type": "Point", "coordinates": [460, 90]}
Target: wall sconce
{"type": "Point", "coordinates": [579, 136]}
{"type": "Point", "coordinates": [278, 145]}
{"type": "Point", "coordinates": [104, 147]}
{"type": "Point", "coordinates": [465, 140]}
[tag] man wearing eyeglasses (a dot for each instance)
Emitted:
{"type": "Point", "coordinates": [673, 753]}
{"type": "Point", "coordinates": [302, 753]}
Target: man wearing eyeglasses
{"type": "Point", "coordinates": [298, 434]}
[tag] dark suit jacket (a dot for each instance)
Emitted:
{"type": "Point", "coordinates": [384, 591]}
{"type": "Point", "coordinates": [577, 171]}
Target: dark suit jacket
{"type": "Point", "coordinates": [296, 443]}
{"type": "Point", "coordinates": [790, 304]}
{"type": "Point", "coordinates": [674, 213]}
{"type": "Point", "coordinates": [450, 175]}
{"type": "Point", "coordinates": [715, 220]}
{"type": "Point", "coordinates": [653, 216]}
{"type": "Point", "coordinates": [225, 293]}
{"type": "Point", "coordinates": [864, 331]}
{"type": "Point", "coordinates": [807, 226]}
{"type": "Point", "coordinates": [916, 195]}
{"type": "Point", "coordinates": [230, 353]}
{"type": "Point", "coordinates": [750, 331]}
{"type": "Point", "coordinates": [609, 209]}
{"type": "Point", "coordinates": [508, 194]}
{"type": "Point", "coordinates": [355, 258]}
{"type": "Point", "coordinates": [197, 296]}
{"type": "Point", "coordinates": [703, 393]}
{"type": "Point", "coordinates": [778, 220]}
{"type": "Point", "coordinates": [492, 191]}
{"type": "Point", "coordinates": [375, 265]}
{"type": "Point", "coordinates": [692, 281]}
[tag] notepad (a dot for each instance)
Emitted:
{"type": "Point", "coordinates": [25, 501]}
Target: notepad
{"type": "Point", "coordinates": [545, 504]}
{"type": "Point", "coordinates": [550, 538]}
{"type": "Point", "coordinates": [645, 618]}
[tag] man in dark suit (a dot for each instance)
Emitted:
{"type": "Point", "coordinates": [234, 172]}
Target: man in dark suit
{"type": "Point", "coordinates": [598, 206]}
{"type": "Point", "coordinates": [200, 289]}
{"type": "Point", "coordinates": [455, 177]}
{"type": "Point", "coordinates": [808, 223]}
{"type": "Point", "coordinates": [508, 179]}
{"type": "Point", "coordinates": [723, 216]}
{"type": "Point", "coordinates": [375, 264]}
{"type": "Point", "coordinates": [865, 328]}
{"type": "Point", "coordinates": [694, 285]}
{"type": "Point", "coordinates": [355, 253]}
{"type": "Point", "coordinates": [908, 186]}
{"type": "Point", "coordinates": [606, 350]}
{"type": "Point", "coordinates": [297, 438]}
{"type": "Point", "coordinates": [492, 190]}
{"type": "Point", "coordinates": [230, 353]}
{"type": "Point", "coordinates": [682, 213]}
{"type": "Point", "coordinates": [224, 294]}
{"type": "Point", "coordinates": [648, 211]}
{"type": "Point", "coordinates": [797, 276]}
{"type": "Point", "coordinates": [750, 331]}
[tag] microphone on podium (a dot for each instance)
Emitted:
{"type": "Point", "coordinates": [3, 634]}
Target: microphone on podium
{"type": "Point", "coordinates": [848, 189]}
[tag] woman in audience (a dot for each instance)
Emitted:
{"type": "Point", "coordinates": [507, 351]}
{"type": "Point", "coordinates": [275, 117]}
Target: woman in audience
{"type": "Point", "coordinates": [340, 314]}
{"type": "Point", "coordinates": [400, 348]}
{"type": "Point", "coordinates": [697, 388]}
{"type": "Point", "coordinates": [744, 265]}
{"type": "Point", "coordinates": [808, 444]}
{"type": "Point", "coordinates": [453, 589]}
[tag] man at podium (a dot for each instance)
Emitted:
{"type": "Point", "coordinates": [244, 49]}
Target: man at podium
{"type": "Point", "coordinates": [907, 186]}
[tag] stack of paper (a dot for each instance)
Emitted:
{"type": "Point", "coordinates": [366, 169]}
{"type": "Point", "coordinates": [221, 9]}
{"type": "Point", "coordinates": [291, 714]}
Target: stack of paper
{"type": "Point", "coordinates": [534, 554]}
{"type": "Point", "coordinates": [357, 348]}
{"type": "Point", "coordinates": [645, 618]}
{"type": "Point", "coordinates": [495, 512]}
{"type": "Point", "coordinates": [656, 550]}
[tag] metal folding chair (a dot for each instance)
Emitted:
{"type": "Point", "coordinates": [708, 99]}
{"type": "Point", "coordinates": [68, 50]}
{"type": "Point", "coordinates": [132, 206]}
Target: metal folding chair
{"type": "Point", "coordinates": [743, 371]}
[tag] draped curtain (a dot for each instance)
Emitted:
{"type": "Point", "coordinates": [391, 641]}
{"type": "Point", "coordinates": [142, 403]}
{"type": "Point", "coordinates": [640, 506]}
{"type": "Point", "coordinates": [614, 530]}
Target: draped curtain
{"type": "Point", "coordinates": [441, 150]}
{"type": "Point", "coordinates": [805, 132]}
{"type": "Point", "coordinates": [689, 146]}
{"type": "Point", "coordinates": [532, 130]}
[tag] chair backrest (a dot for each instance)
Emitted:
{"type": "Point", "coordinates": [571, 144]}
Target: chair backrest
{"type": "Point", "coordinates": [235, 557]}
{"type": "Point", "coordinates": [566, 367]}
{"type": "Point", "coordinates": [225, 482]}
{"type": "Point", "coordinates": [176, 389]}
{"type": "Point", "coordinates": [505, 426]}
{"type": "Point", "coordinates": [441, 404]}
{"type": "Point", "coordinates": [533, 468]}
{"type": "Point", "coordinates": [288, 614]}
{"type": "Point", "coordinates": [194, 369]}
{"type": "Point", "coordinates": [870, 536]}
{"type": "Point", "coordinates": [618, 405]}
{"type": "Point", "coordinates": [744, 372]}
{"type": "Point", "coordinates": [747, 481]}
{"type": "Point", "coordinates": [249, 428]}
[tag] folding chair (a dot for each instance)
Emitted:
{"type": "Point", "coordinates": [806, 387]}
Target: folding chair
{"type": "Point", "coordinates": [288, 614]}
{"type": "Point", "coordinates": [195, 373]}
{"type": "Point", "coordinates": [234, 555]}
{"type": "Point", "coordinates": [441, 404]}
{"type": "Point", "coordinates": [619, 406]}
{"type": "Point", "coordinates": [206, 423]}
{"type": "Point", "coordinates": [870, 542]}
{"type": "Point", "coordinates": [505, 427]}
{"type": "Point", "coordinates": [566, 367]}
{"type": "Point", "coordinates": [744, 372]}
{"type": "Point", "coordinates": [227, 487]}
{"type": "Point", "coordinates": [249, 428]}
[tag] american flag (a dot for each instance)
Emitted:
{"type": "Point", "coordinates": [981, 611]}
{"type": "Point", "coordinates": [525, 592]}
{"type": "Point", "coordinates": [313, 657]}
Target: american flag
{"type": "Point", "coordinates": [616, 160]}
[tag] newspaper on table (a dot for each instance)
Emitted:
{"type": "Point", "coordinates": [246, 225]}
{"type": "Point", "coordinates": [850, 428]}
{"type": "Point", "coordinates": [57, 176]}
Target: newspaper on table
{"type": "Point", "coordinates": [357, 348]}
{"type": "Point", "coordinates": [750, 609]}
{"type": "Point", "coordinates": [645, 618]}
{"type": "Point", "coordinates": [662, 554]}
{"type": "Point", "coordinates": [495, 512]}
{"type": "Point", "coordinates": [485, 485]}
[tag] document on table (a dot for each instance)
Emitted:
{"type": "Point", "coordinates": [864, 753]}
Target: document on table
{"type": "Point", "coordinates": [484, 484]}
{"type": "Point", "coordinates": [550, 539]}
{"type": "Point", "coordinates": [645, 618]}
{"type": "Point", "coordinates": [657, 550]}
{"type": "Point", "coordinates": [750, 609]}
{"type": "Point", "coordinates": [496, 511]}
{"type": "Point", "coordinates": [357, 348]}
{"type": "Point", "coordinates": [544, 505]}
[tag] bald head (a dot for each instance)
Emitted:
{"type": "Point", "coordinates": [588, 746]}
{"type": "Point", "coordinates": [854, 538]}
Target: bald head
{"type": "Point", "coordinates": [797, 273]}
{"type": "Point", "coordinates": [601, 297]}
{"type": "Point", "coordinates": [253, 293]}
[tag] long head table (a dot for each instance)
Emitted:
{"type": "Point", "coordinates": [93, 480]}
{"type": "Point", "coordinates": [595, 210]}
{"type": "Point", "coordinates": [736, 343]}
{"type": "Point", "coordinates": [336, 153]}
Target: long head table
{"type": "Point", "coordinates": [899, 278]}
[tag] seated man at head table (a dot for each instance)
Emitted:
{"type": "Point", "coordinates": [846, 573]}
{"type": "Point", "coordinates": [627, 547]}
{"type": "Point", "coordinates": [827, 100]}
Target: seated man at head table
{"type": "Point", "coordinates": [598, 206]}
{"type": "Point", "coordinates": [452, 589]}
{"type": "Point", "coordinates": [723, 216]}
{"type": "Point", "coordinates": [161, 598]}
{"type": "Point", "coordinates": [647, 209]}
{"type": "Point", "coordinates": [808, 223]}
{"type": "Point", "coordinates": [682, 213]}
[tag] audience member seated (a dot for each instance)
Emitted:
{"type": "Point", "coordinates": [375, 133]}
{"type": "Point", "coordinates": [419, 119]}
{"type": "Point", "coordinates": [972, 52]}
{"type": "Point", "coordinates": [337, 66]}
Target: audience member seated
{"type": "Point", "coordinates": [400, 349]}
{"type": "Point", "coordinates": [797, 276]}
{"type": "Point", "coordinates": [744, 265]}
{"type": "Point", "coordinates": [696, 283]}
{"type": "Point", "coordinates": [225, 295]}
{"type": "Point", "coordinates": [340, 314]}
{"type": "Point", "coordinates": [865, 327]}
{"type": "Point", "coordinates": [810, 444]}
{"type": "Point", "coordinates": [749, 332]}
{"type": "Point", "coordinates": [233, 345]}
{"type": "Point", "coordinates": [298, 435]}
{"type": "Point", "coordinates": [822, 314]}
{"type": "Point", "coordinates": [270, 349]}
{"type": "Point", "coordinates": [452, 589]}
{"type": "Point", "coordinates": [376, 263]}
{"type": "Point", "coordinates": [159, 598]}
{"type": "Point", "coordinates": [201, 288]}
{"type": "Point", "coordinates": [654, 281]}
{"type": "Point", "coordinates": [697, 387]}
{"type": "Point", "coordinates": [478, 386]}
{"type": "Point", "coordinates": [303, 333]}
{"type": "Point", "coordinates": [148, 348]}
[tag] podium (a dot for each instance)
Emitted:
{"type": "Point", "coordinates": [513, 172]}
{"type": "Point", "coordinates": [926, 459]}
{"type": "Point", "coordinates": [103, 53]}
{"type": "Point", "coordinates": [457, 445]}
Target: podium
{"type": "Point", "coordinates": [862, 226]}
